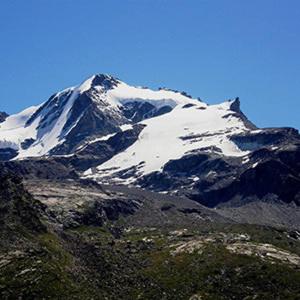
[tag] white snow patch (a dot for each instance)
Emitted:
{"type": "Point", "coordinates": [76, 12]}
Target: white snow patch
{"type": "Point", "coordinates": [246, 159]}
{"type": "Point", "coordinates": [86, 85]}
{"type": "Point", "coordinates": [124, 93]}
{"type": "Point", "coordinates": [161, 139]}
{"type": "Point", "coordinates": [13, 131]}
{"type": "Point", "coordinates": [126, 127]}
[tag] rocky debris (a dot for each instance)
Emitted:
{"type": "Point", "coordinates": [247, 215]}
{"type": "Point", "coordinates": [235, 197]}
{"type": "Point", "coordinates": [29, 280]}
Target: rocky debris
{"type": "Point", "coordinates": [196, 297]}
{"type": "Point", "coordinates": [183, 213]}
{"type": "Point", "coordinates": [235, 243]}
{"type": "Point", "coordinates": [72, 202]}
{"type": "Point", "coordinates": [76, 203]}
{"type": "Point", "coordinates": [167, 206]}
{"type": "Point", "coordinates": [264, 251]}
{"type": "Point", "coordinates": [271, 213]}
{"type": "Point", "coordinates": [196, 245]}
{"type": "Point", "coordinates": [187, 247]}
{"type": "Point", "coordinates": [7, 258]}
{"type": "Point", "coordinates": [179, 232]}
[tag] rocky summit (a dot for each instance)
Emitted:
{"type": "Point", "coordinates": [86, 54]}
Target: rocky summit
{"type": "Point", "coordinates": [111, 191]}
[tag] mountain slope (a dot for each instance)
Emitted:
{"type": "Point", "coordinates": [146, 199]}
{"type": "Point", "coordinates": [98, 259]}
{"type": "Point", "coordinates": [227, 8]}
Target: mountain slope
{"type": "Point", "coordinates": [97, 107]}
{"type": "Point", "coordinates": [172, 135]}
{"type": "Point", "coordinates": [161, 140]}
{"type": "Point", "coordinates": [86, 240]}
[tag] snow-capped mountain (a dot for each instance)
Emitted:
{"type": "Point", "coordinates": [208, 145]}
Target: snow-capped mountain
{"type": "Point", "coordinates": [97, 107]}
{"type": "Point", "coordinates": [164, 140]}
{"type": "Point", "coordinates": [100, 106]}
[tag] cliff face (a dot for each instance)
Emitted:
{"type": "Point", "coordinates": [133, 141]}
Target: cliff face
{"type": "Point", "coordinates": [18, 208]}
{"type": "Point", "coordinates": [3, 116]}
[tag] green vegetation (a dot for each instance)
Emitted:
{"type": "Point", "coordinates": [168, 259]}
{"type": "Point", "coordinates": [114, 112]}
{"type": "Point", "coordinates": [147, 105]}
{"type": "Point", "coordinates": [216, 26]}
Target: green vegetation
{"type": "Point", "coordinates": [90, 262]}
{"type": "Point", "coordinates": [43, 272]}
{"type": "Point", "coordinates": [217, 274]}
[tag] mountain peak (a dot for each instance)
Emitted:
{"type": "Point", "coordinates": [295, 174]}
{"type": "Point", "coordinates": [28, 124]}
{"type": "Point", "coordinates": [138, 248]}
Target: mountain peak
{"type": "Point", "coordinates": [105, 80]}
{"type": "Point", "coordinates": [98, 80]}
{"type": "Point", "coordinates": [98, 107]}
{"type": "Point", "coordinates": [235, 105]}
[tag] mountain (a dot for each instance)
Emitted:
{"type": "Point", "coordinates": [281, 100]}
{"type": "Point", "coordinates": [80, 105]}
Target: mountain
{"type": "Point", "coordinates": [96, 108]}
{"type": "Point", "coordinates": [163, 140]}
{"type": "Point", "coordinates": [154, 193]}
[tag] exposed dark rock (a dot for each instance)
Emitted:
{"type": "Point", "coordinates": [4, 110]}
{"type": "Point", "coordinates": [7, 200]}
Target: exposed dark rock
{"type": "Point", "coordinates": [269, 177]}
{"type": "Point", "coordinates": [167, 206]}
{"type": "Point", "coordinates": [190, 210]}
{"type": "Point", "coordinates": [213, 179]}
{"type": "Point", "coordinates": [137, 111]}
{"type": "Point", "coordinates": [235, 106]}
{"type": "Point", "coordinates": [40, 168]}
{"type": "Point", "coordinates": [17, 207]}
{"type": "Point", "coordinates": [98, 152]}
{"type": "Point", "coordinates": [3, 116]}
{"type": "Point", "coordinates": [186, 164]}
{"type": "Point", "coordinates": [108, 211]}
{"type": "Point", "coordinates": [188, 105]}
{"type": "Point", "coordinates": [27, 143]}
{"type": "Point", "coordinates": [266, 137]}
{"type": "Point", "coordinates": [50, 110]}
{"type": "Point", "coordinates": [92, 122]}
{"type": "Point", "coordinates": [105, 81]}
{"type": "Point", "coordinates": [7, 154]}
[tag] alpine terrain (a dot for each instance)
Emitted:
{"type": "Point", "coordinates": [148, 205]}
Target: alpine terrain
{"type": "Point", "coordinates": [111, 191]}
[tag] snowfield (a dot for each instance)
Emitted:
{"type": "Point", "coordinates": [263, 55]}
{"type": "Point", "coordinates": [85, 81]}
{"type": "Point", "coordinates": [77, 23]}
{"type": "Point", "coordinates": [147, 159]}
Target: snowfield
{"type": "Point", "coordinates": [174, 134]}
{"type": "Point", "coordinates": [124, 93]}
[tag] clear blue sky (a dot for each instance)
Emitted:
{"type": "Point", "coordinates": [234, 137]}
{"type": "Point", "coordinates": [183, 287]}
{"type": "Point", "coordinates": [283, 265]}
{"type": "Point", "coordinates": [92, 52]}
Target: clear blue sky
{"type": "Point", "coordinates": [212, 49]}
